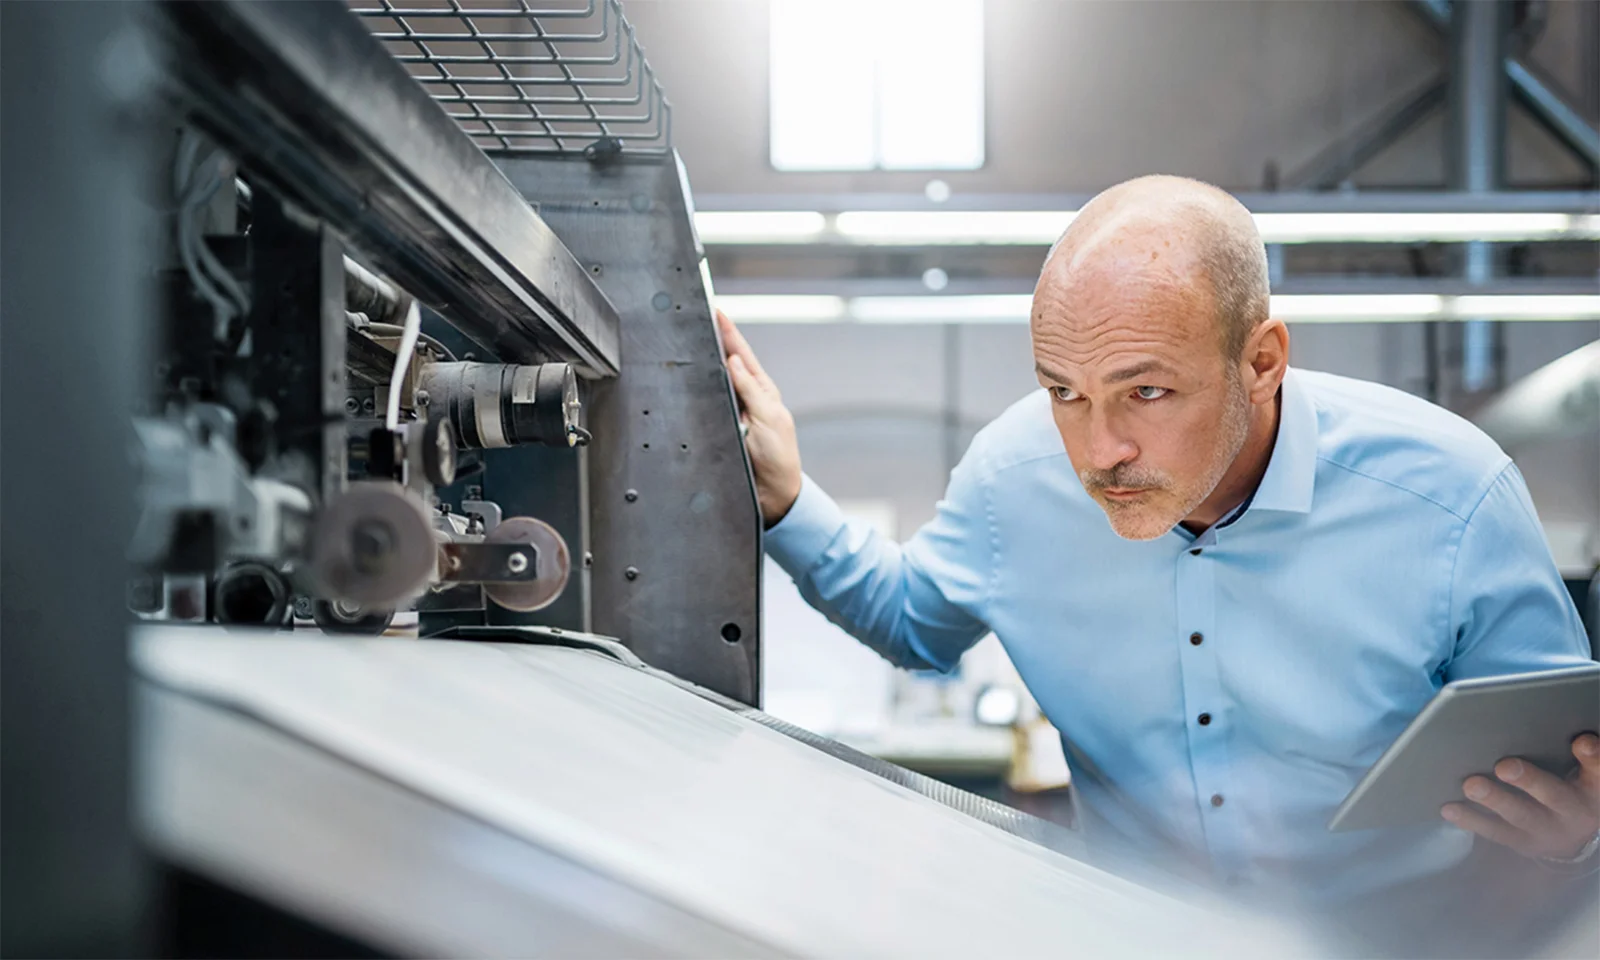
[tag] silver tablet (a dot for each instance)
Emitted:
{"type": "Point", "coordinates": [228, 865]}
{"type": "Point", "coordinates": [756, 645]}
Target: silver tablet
{"type": "Point", "coordinates": [1467, 728]}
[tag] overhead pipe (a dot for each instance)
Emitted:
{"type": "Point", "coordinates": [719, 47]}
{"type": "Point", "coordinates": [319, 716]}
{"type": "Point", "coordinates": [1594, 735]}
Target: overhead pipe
{"type": "Point", "coordinates": [1476, 152]}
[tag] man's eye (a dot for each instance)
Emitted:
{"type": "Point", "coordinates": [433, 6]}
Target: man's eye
{"type": "Point", "coordinates": [1150, 393]}
{"type": "Point", "coordinates": [1063, 394]}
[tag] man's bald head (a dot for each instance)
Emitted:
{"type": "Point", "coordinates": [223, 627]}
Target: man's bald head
{"type": "Point", "coordinates": [1151, 335]}
{"type": "Point", "coordinates": [1199, 226]}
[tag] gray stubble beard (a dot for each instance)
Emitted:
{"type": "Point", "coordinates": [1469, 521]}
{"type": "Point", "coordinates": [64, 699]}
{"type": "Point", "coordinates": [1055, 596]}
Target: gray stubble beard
{"type": "Point", "coordinates": [1235, 430]}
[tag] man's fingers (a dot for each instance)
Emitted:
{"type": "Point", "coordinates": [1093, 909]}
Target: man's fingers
{"type": "Point", "coordinates": [757, 400]}
{"type": "Point", "coordinates": [1514, 807]}
{"type": "Point", "coordinates": [1561, 796]}
{"type": "Point", "coordinates": [735, 345]}
{"type": "Point", "coordinates": [1586, 747]}
{"type": "Point", "coordinates": [1486, 825]}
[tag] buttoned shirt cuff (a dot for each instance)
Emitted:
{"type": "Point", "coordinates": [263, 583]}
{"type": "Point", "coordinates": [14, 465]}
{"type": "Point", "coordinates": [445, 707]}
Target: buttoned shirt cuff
{"type": "Point", "coordinates": [803, 535]}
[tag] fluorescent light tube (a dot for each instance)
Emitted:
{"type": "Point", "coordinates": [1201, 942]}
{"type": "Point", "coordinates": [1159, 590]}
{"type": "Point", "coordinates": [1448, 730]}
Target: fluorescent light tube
{"type": "Point", "coordinates": [759, 226]}
{"type": "Point", "coordinates": [1504, 307]}
{"type": "Point", "coordinates": [1005, 308]}
{"type": "Point", "coordinates": [1361, 308]}
{"type": "Point", "coordinates": [915, 227]}
{"type": "Point", "coordinates": [782, 309]}
{"type": "Point", "coordinates": [1422, 227]}
{"type": "Point", "coordinates": [1043, 227]}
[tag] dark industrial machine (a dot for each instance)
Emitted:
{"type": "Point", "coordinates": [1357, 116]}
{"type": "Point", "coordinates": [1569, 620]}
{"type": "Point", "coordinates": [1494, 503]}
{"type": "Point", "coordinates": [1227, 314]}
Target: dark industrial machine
{"type": "Point", "coordinates": [435, 337]}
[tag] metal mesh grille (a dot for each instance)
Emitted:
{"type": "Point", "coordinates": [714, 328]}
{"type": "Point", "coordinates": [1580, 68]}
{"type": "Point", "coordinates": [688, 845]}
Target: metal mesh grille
{"type": "Point", "coordinates": [563, 77]}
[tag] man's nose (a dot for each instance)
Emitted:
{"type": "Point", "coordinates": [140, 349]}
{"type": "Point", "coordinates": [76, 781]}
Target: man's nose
{"type": "Point", "coordinates": [1108, 447]}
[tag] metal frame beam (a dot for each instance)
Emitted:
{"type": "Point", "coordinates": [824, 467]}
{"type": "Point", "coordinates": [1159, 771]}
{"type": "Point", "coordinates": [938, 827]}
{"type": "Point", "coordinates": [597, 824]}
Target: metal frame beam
{"type": "Point", "coordinates": [1336, 163]}
{"type": "Point", "coordinates": [848, 287]}
{"type": "Point", "coordinates": [1532, 93]}
{"type": "Point", "coordinates": [313, 104]}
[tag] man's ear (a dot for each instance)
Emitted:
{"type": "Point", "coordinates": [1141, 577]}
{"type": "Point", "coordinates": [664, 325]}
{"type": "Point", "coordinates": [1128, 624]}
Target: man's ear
{"type": "Point", "coordinates": [1266, 355]}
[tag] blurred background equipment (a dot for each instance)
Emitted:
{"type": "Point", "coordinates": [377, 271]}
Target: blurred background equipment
{"type": "Point", "coordinates": [393, 317]}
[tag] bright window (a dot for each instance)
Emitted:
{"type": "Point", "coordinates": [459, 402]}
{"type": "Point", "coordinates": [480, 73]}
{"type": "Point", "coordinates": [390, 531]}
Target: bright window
{"type": "Point", "coordinates": [877, 84]}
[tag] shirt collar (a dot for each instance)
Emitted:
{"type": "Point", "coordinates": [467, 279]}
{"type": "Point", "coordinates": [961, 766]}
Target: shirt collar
{"type": "Point", "coordinates": [1292, 471]}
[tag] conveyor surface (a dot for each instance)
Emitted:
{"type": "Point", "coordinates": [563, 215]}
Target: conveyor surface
{"type": "Point", "coordinates": [462, 797]}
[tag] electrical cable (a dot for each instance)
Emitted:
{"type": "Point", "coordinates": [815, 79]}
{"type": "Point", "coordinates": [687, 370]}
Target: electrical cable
{"type": "Point", "coordinates": [402, 362]}
{"type": "Point", "coordinates": [196, 179]}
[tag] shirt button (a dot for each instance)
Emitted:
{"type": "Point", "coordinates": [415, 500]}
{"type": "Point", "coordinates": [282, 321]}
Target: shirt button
{"type": "Point", "coordinates": [1216, 799]}
{"type": "Point", "coordinates": [1205, 719]}
{"type": "Point", "coordinates": [1196, 639]}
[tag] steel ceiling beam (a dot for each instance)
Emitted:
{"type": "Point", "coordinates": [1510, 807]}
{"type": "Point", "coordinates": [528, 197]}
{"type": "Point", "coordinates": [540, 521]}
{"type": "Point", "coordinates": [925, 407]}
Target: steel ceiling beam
{"type": "Point", "coordinates": [1545, 105]}
{"type": "Point", "coordinates": [1336, 163]}
{"type": "Point", "coordinates": [1308, 284]}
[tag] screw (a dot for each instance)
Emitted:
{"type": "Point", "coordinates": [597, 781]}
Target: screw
{"type": "Point", "coordinates": [352, 405]}
{"type": "Point", "coordinates": [517, 562]}
{"type": "Point", "coordinates": [369, 404]}
{"type": "Point", "coordinates": [474, 493]}
{"type": "Point", "coordinates": [631, 496]}
{"type": "Point", "coordinates": [422, 398]}
{"type": "Point", "coordinates": [632, 573]}
{"type": "Point", "coordinates": [588, 560]}
{"type": "Point", "coordinates": [455, 563]}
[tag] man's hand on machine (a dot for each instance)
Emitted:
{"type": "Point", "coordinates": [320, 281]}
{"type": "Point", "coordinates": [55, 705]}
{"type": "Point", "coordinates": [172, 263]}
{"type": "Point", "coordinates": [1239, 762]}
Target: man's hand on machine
{"type": "Point", "coordinates": [1533, 811]}
{"type": "Point", "coordinates": [769, 427]}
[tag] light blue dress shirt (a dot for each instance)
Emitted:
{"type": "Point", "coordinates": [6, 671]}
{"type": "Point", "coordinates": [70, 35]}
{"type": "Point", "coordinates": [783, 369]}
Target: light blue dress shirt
{"type": "Point", "coordinates": [1218, 698]}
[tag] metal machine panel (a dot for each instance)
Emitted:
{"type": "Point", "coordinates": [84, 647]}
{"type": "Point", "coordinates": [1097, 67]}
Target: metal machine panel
{"type": "Point", "coordinates": [675, 530]}
{"type": "Point", "coordinates": [306, 96]}
{"type": "Point", "coordinates": [698, 811]}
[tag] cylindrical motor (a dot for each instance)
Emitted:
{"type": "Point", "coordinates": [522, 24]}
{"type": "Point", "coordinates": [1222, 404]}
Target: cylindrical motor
{"type": "Point", "coordinates": [501, 404]}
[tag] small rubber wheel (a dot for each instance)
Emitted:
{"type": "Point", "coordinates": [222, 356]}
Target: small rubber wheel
{"type": "Point", "coordinates": [341, 617]}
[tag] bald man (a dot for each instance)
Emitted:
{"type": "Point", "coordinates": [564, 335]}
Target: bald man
{"type": "Point", "coordinates": [1229, 584]}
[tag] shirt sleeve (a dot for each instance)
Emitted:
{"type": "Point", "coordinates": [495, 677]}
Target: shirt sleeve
{"type": "Point", "coordinates": [919, 605]}
{"type": "Point", "coordinates": [1509, 610]}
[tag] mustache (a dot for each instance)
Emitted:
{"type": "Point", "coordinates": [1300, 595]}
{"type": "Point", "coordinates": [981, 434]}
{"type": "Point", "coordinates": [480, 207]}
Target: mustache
{"type": "Point", "coordinates": [1124, 476]}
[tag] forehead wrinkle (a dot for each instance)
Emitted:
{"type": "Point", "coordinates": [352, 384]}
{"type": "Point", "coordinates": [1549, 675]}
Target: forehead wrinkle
{"type": "Point", "coordinates": [1059, 352]}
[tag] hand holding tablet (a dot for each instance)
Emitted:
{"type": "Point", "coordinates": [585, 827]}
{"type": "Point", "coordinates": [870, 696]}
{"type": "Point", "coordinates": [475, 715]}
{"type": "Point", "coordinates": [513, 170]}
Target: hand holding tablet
{"type": "Point", "coordinates": [1521, 748]}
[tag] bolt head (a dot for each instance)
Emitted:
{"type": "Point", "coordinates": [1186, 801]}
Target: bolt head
{"type": "Point", "coordinates": [631, 496]}
{"type": "Point", "coordinates": [632, 573]}
{"type": "Point", "coordinates": [517, 562]}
